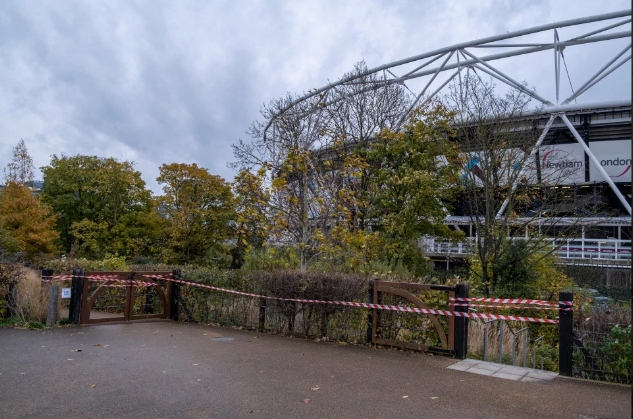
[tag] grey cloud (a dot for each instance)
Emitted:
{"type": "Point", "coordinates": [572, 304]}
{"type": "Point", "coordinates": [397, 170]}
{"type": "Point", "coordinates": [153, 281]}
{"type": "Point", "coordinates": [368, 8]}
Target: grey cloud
{"type": "Point", "coordinates": [159, 81]}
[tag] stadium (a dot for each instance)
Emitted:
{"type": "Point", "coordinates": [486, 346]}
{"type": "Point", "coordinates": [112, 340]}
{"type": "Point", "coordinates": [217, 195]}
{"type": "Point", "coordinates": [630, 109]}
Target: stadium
{"type": "Point", "coordinates": [581, 146]}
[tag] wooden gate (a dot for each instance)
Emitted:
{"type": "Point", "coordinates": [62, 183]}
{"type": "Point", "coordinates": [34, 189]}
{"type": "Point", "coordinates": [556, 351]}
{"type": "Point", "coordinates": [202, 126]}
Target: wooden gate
{"type": "Point", "coordinates": [123, 298]}
{"type": "Point", "coordinates": [451, 331]}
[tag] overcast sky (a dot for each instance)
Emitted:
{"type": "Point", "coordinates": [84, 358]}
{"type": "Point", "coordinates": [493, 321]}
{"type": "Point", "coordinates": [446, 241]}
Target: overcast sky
{"type": "Point", "coordinates": [179, 81]}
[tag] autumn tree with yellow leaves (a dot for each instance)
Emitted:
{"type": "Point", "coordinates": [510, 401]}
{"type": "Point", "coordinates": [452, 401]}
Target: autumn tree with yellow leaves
{"type": "Point", "coordinates": [26, 224]}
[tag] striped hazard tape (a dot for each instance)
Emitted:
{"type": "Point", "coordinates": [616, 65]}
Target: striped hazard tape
{"type": "Point", "coordinates": [512, 307]}
{"type": "Point", "coordinates": [417, 310]}
{"type": "Point", "coordinates": [102, 278]}
{"type": "Point", "coordinates": [512, 301]}
{"type": "Point", "coordinates": [472, 315]}
{"type": "Point", "coordinates": [70, 277]}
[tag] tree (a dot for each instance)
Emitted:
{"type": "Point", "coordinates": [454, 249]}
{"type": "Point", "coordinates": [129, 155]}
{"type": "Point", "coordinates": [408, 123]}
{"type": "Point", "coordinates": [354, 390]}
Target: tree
{"type": "Point", "coordinates": [28, 223]}
{"type": "Point", "coordinates": [21, 169]}
{"type": "Point", "coordinates": [357, 112]}
{"type": "Point", "coordinates": [251, 207]}
{"type": "Point", "coordinates": [284, 155]}
{"type": "Point", "coordinates": [412, 181]}
{"type": "Point", "coordinates": [504, 188]}
{"type": "Point", "coordinates": [314, 172]}
{"type": "Point", "coordinates": [198, 209]}
{"type": "Point", "coordinates": [93, 197]}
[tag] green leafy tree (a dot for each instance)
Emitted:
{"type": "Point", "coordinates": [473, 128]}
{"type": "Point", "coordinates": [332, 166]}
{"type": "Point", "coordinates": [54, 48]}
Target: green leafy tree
{"type": "Point", "coordinates": [140, 234]}
{"type": "Point", "coordinates": [251, 206]}
{"type": "Point", "coordinates": [412, 182]}
{"type": "Point", "coordinates": [93, 198]}
{"type": "Point", "coordinates": [199, 210]}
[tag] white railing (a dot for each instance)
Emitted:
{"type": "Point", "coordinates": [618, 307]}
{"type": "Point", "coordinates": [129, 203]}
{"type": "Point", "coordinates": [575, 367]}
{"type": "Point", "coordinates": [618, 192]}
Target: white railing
{"type": "Point", "coordinates": [574, 248]}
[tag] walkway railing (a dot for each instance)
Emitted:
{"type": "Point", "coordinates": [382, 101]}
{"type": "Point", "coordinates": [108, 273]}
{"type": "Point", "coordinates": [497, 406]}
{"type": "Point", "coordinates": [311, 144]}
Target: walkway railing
{"type": "Point", "coordinates": [574, 248]}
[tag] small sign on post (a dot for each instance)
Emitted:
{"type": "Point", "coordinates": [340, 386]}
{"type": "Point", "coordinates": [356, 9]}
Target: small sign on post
{"type": "Point", "coordinates": [65, 292]}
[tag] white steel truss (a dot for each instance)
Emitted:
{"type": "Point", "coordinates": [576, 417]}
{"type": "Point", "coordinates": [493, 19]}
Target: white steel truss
{"type": "Point", "coordinates": [454, 59]}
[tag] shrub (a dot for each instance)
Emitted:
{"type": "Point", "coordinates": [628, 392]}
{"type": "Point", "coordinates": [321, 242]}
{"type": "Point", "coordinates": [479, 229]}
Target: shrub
{"type": "Point", "coordinates": [31, 298]}
{"type": "Point", "coordinates": [269, 258]}
{"type": "Point", "coordinates": [65, 266]}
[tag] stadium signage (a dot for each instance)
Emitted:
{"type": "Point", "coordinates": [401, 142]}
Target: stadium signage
{"type": "Point", "coordinates": [615, 159]}
{"type": "Point", "coordinates": [562, 164]}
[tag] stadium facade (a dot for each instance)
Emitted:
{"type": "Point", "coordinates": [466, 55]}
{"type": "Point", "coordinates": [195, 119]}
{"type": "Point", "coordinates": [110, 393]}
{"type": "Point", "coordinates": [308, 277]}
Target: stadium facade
{"type": "Point", "coordinates": [588, 140]}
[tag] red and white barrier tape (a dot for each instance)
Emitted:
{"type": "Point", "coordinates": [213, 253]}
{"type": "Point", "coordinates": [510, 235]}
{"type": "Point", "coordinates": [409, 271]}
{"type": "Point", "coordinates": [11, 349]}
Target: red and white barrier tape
{"type": "Point", "coordinates": [377, 306]}
{"type": "Point", "coordinates": [136, 284]}
{"type": "Point", "coordinates": [70, 277]}
{"type": "Point", "coordinates": [512, 301]}
{"type": "Point", "coordinates": [100, 278]}
{"type": "Point", "coordinates": [512, 307]}
{"type": "Point", "coordinates": [417, 310]}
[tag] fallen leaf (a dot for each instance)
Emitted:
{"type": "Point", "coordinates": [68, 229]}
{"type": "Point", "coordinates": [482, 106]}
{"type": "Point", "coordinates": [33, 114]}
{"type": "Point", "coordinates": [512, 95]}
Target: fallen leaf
{"type": "Point", "coordinates": [93, 386]}
{"type": "Point", "coordinates": [405, 397]}
{"type": "Point", "coordinates": [306, 400]}
{"type": "Point", "coordinates": [97, 344]}
{"type": "Point", "coordinates": [314, 388]}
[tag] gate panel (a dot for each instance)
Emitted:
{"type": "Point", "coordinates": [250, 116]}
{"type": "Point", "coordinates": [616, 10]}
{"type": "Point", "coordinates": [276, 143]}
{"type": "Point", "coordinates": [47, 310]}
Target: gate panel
{"type": "Point", "coordinates": [124, 296]}
{"type": "Point", "coordinates": [444, 327]}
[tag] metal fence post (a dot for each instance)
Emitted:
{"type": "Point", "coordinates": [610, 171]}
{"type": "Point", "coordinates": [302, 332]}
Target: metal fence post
{"type": "Point", "coordinates": [175, 296]}
{"type": "Point", "coordinates": [53, 294]}
{"type": "Point", "coordinates": [461, 324]}
{"type": "Point", "coordinates": [500, 341]}
{"type": "Point", "coordinates": [76, 296]}
{"type": "Point", "coordinates": [370, 317]}
{"type": "Point", "coordinates": [565, 330]}
{"type": "Point", "coordinates": [262, 314]}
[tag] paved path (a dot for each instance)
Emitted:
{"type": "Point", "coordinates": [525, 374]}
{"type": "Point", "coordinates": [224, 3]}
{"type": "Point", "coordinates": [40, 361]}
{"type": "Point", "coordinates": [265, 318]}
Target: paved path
{"type": "Point", "coordinates": [169, 370]}
{"type": "Point", "coordinates": [507, 372]}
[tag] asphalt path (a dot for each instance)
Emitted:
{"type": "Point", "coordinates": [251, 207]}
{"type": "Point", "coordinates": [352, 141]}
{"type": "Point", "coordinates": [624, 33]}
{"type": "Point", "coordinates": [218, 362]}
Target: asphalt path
{"type": "Point", "coordinates": [165, 369]}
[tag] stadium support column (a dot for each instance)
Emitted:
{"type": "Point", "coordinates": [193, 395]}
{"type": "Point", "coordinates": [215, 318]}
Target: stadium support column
{"type": "Point", "coordinates": [596, 163]}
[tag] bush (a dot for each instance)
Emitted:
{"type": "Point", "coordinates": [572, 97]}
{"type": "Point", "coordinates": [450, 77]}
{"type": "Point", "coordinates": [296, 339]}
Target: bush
{"type": "Point", "coordinates": [65, 266]}
{"type": "Point", "coordinates": [521, 272]}
{"type": "Point", "coordinates": [270, 258]}
{"type": "Point", "coordinates": [31, 298]}
{"type": "Point", "coordinates": [35, 325]}
{"type": "Point", "coordinates": [309, 320]}
{"type": "Point", "coordinates": [602, 343]}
